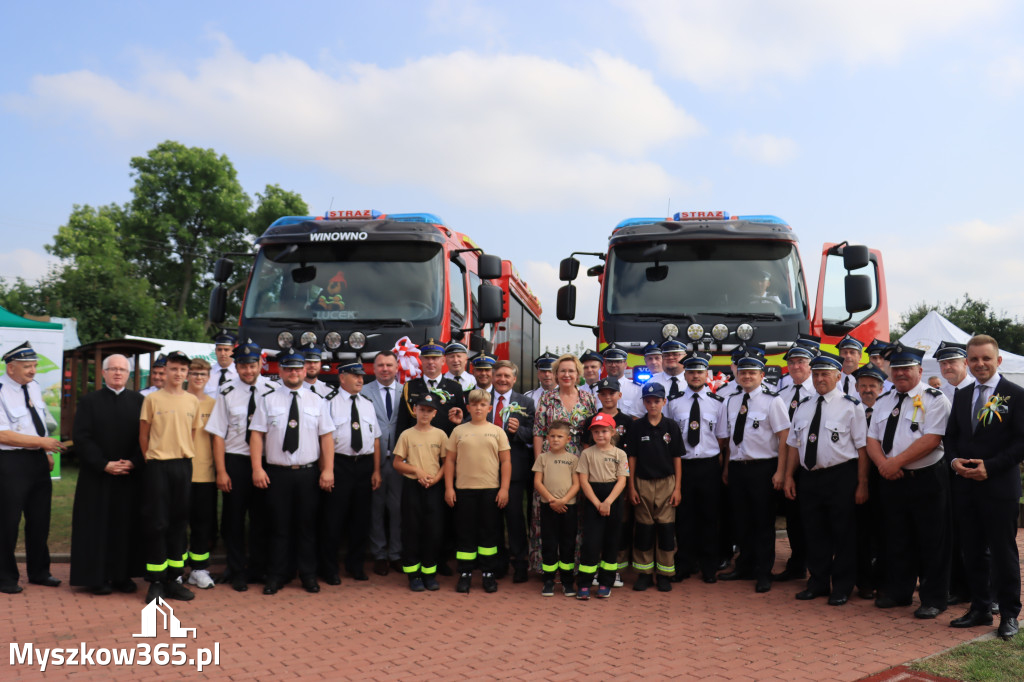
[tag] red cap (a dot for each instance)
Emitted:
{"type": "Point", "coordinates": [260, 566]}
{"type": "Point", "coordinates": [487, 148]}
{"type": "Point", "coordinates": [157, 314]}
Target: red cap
{"type": "Point", "coordinates": [602, 419]}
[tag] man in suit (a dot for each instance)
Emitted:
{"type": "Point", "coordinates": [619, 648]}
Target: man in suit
{"type": "Point", "coordinates": [514, 412]}
{"type": "Point", "coordinates": [984, 447]}
{"type": "Point", "coordinates": [386, 515]}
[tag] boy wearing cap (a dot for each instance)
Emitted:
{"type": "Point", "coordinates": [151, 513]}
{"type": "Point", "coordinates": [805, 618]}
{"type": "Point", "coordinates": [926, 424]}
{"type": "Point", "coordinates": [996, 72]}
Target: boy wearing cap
{"type": "Point", "coordinates": [25, 465]}
{"type": "Point", "coordinates": [449, 392]}
{"type": "Point", "coordinates": [478, 470]}
{"type": "Point", "coordinates": [202, 515]}
{"type": "Point", "coordinates": [456, 356]}
{"type": "Point", "coordinates": [654, 445]}
{"type": "Point", "coordinates": [220, 376]}
{"type": "Point", "coordinates": [754, 429]}
{"type": "Point", "coordinates": [417, 456]}
{"type": "Point", "coordinates": [697, 412]}
{"type": "Point", "coordinates": [827, 441]}
{"type": "Point", "coordinates": [905, 443]}
{"type": "Point", "coordinates": [557, 483]}
{"type": "Point", "coordinates": [240, 500]}
{"type": "Point", "coordinates": [345, 510]}
{"type": "Point", "coordinates": [168, 425]}
{"type": "Point", "coordinates": [603, 469]}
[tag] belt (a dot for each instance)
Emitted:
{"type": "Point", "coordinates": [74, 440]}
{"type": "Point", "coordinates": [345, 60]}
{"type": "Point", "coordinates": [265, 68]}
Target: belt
{"type": "Point", "coordinates": [699, 460]}
{"type": "Point", "coordinates": [767, 460]}
{"type": "Point", "coordinates": [293, 466]}
{"type": "Point", "coordinates": [847, 463]}
{"type": "Point", "coordinates": [353, 458]}
{"type": "Point", "coordinates": [922, 471]}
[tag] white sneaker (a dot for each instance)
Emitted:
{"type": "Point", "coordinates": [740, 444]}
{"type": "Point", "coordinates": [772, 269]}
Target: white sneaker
{"type": "Point", "coordinates": [201, 579]}
{"type": "Point", "coordinates": [618, 581]}
{"type": "Point", "coordinates": [595, 583]}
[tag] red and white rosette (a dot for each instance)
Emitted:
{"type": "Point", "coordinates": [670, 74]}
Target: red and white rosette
{"type": "Point", "coordinates": [408, 359]}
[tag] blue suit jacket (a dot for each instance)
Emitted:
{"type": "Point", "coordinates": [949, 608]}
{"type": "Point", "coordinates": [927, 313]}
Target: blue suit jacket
{"type": "Point", "coordinates": [388, 427]}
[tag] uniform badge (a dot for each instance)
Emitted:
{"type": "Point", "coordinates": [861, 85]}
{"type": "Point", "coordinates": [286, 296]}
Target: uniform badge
{"type": "Point", "coordinates": [667, 437]}
{"type": "Point", "coordinates": [756, 424]}
{"type": "Point", "coordinates": [694, 425]}
{"type": "Point", "coordinates": [914, 426]}
{"type": "Point", "coordinates": [835, 436]}
{"type": "Point", "coordinates": [793, 404]}
{"type": "Point", "coordinates": [896, 412]}
{"type": "Point", "coordinates": [743, 409]}
{"type": "Point", "coordinates": [620, 429]}
{"type": "Point", "coordinates": [355, 426]}
{"type": "Point", "coordinates": [813, 438]}
{"type": "Point", "coordinates": [292, 423]}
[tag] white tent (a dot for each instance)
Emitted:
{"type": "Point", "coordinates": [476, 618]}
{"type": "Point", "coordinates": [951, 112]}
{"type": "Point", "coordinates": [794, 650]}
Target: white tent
{"type": "Point", "coordinates": [934, 328]}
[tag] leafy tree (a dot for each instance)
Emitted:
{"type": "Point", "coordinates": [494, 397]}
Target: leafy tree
{"type": "Point", "coordinates": [972, 315]}
{"type": "Point", "coordinates": [274, 203]}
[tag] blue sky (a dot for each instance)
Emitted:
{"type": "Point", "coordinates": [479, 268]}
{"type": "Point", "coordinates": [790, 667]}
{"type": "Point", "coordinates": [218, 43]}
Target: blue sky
{"type": "Point", "coordinates": [536, 126]}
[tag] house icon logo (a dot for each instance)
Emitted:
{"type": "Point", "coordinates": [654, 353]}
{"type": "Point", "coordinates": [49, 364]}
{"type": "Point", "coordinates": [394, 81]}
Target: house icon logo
{"type": "Point", "coordinates": [151, 620]}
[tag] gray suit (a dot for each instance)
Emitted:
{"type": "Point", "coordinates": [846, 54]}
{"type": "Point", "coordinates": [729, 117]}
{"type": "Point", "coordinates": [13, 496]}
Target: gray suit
{"type": "Point", "coordinates": [389, 495]}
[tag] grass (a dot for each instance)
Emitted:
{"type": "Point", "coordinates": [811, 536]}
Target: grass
{"type": "Point", "coordinates": [989, 659]}
{"type": "Point", "coordinates": [60, 511]}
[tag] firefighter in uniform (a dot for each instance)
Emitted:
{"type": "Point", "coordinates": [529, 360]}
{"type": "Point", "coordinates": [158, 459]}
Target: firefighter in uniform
{"type": "Point", "coordinates": [850, 351]}
{"type": "Point", "coordinates": [545, 377]}
{"type": "Point", "coordinates": [615, 365]}
{"type": "Point", "coordinates": [456, 356]}
{"type": "Point", "coordinates": [871, 381]}
{"type": "Point", "coordinates": [313, 362]}
{"type": "Point", "coordinates": [221, 375]}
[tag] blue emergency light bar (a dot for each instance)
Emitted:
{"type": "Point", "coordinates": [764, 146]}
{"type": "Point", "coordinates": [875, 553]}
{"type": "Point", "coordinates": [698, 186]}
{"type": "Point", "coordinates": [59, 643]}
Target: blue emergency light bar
{"type": "Point", "coordinates": [363, 215]}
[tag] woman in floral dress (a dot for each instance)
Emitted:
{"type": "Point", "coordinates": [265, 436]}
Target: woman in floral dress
{"type": "Point", "coordinates": [566, 402]}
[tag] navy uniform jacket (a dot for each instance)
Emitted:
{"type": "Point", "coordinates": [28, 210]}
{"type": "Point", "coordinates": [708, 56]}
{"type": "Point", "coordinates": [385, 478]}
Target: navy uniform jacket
{"type": "Point", "coordinates": [414, 388]}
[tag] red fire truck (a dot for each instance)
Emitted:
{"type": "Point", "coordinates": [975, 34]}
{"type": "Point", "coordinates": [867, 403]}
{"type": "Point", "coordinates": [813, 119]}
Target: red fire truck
{"type": "Point", "coordinates": [355, 282]}
{"type": "Point", "coordinates": [714, 280]}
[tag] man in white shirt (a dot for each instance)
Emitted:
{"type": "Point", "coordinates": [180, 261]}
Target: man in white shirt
{"type": "Point", "coordinates": [225, 371]}
{"type": "Point", "coordinates": [615, 366]}
{"type": "Point", "coordinates": [671, 374]}
{"type": "Point", "coordinates": [456, 356]}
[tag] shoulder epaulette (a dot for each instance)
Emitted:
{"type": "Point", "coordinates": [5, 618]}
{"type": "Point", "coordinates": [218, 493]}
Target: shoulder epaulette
{"type": "Point", "coordinates": [715, 396]}
{"type": "Point", "coordinates": [768, 392]}
{"type": "Point", "coordinates": [804, 400]}
{"type": "Point", "coordinates": [885, 394]}
{"type": "Point", "coordinates": [852, 399]}
{"type": "Point", "coordinates": [227, 389]}
{"type": "Point", "coordinates": [330, 395]}
{"type": "Point", "coordinates": [933, 391]}
{"type": "Point", "coordinates": [270, 390]}
{"type": "Point", "coordinates": [366, 398]}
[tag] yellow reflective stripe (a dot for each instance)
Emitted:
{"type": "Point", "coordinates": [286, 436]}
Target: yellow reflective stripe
{"type": "Point", "coordinates": [173, 563]}
{"type": "Point", "coordinates": [156, 568]}
{"type": "Point", "coordinates": [605, 566]}
{"type": "Point", "coordinates": [487, 551]}
{"type": "Point", "coordinates": [198, 557]}
{"type": "Point", "coordinates": [565, 567]}
{"type": "Point", "coordinates": [411, 569]}
{"type": "Point", "coordinates": [428, 570]}
{"type": "Point", "coordinates": [643, 567]}
{"type": "Point", "coordinates": [465, 556]}
{"type": "Point", "coordinates": [667, 569]}
{"type": "Point", "coordinates": [549, 568]}
{"type": "Point", "coordinates": [623, 565]}
{"type": "Point", "coordinates": [588, 569]}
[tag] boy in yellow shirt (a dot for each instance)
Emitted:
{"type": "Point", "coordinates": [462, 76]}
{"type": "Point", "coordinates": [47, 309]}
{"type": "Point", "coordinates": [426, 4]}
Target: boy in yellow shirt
{"type": "Point", "coordinates": [202, 515]}
{"type": "Point", "coordinates": [557, 483]}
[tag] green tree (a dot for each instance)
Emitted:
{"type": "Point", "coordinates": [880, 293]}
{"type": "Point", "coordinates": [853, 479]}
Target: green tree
{"type": "Point", "coordinates": [272, 204]}
{"type": "Point", "coordinates": [187, 208]}
{"type": "Point", "coordinates": [972, 315]}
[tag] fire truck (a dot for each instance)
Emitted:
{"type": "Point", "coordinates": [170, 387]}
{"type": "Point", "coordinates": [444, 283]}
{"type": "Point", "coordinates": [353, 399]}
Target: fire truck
{"type": "Point", "coordinates": [715, 280]}
{"type": "Point", "coordinates": [354, 282]}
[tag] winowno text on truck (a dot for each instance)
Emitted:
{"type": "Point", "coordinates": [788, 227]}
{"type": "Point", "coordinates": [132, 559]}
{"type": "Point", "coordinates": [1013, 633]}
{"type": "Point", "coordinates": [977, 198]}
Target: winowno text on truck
{"type": "Point", "coordinates": [355, 282]}
{"type": "Point", "coordinates": [714, 281]}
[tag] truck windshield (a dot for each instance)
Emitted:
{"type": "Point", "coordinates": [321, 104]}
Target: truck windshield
{"type": "Point", "coordinates": [347, 281]}
{"type": "Point", "coordinates": [715, 277]}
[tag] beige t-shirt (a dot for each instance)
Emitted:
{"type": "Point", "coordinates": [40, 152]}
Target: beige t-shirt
{"type": "Point", "coordinates": [477, 466]}
{"type": "Point", "coordinates": [556, 472]}
{"type": "Point", "coordinates": [603, 466]}
{"type": "Point", "coordinates": [422, 449]}
{"type": "Point", "coordinates": [203, 470]}
{"type": "Point", "coordinates": [171, 421]}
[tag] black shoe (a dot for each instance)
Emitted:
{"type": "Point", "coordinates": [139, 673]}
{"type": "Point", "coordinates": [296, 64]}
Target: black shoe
{"type": "Point", "coordinates": [126, 586]}
{"type": "Point", "coordinates": [643, 581]}
{"type": "Point", "coordinates": [735, 575]}
{"type": "Point", "coordinates": [173, 589]}
{"type": "Point", "coordinates": [664, 584]}
{"type": "Point", "coordinates": [1008, 627]}
{"type": "Point", "coordinates": [102, 590]}
{"type": "Point", "coordinates": [723, 564]}
{"type": "Point", "coordinates": [332, 579]}
{"type": "Point", "coordinates": [838, 599]}
{"type": "Point", "coordinates": [11, 589]}
{"type": "Point", "coordinates": [357, 574]}
{"type": "Point", "coordinates": [444, 569]}
{"type": "Point", "coordinates": [48, 581]}
{"type": "Point", "coordinates": [381, 567]}
{"type": "Point", "coordinates": [464, 582]}
{"type": "Point", "coordinates": [416, 583]}
{"type": "Point", "coordinates": [994, 609]}
{"type": "Point", "coordinates": [310, 585]}
{"type": "Point", "coordinates": [927, 612]}
{"type": "Point", "coordinates": [807, 595]}
{"type": "Point", "coordinates": [156, 590]}
{"type": "Point", "coordinates": [971, 619]}
{"type": "Point", "coordinates": [520, 573]}
{"type": "Point", "coordinates": [955, 599]}
{"type": "Point", "coordinates": [677, 577]}
{"type": "Point", "coordinates": [396, 565]}
{"type": "Point", "coordinates": [490, 583]}
{"type": "Point", "coordinates": [866, 593]}
{"type": "Point", "coordinates": [710, 579]}
{"type": "Point", "coordinates": [430, 583]}
{"type": "Point", "coordinates": [239, 583]}
{"type": "Point", "coordinates": [887, 602]}
{"type": "Point", "coordinates": [501, 571]}
{"type": "Point", "coordinates": [763, 585]}
{"type": "Point", "coordinates": [271, 587]}
{"type": "Point", "coordinates": [789, 574]}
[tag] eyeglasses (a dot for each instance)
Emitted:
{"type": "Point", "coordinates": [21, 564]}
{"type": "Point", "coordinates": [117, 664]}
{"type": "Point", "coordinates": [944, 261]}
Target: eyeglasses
{"type": "Point", "coordinates": [199, 374]}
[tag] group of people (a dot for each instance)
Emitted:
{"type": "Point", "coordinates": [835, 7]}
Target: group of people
{"type": "Point", "coordinates": [887, 484]}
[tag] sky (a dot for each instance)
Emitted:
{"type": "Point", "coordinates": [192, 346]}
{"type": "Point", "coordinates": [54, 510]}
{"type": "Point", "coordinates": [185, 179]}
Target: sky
{"type": "Point", "coordinates": [535, 127]}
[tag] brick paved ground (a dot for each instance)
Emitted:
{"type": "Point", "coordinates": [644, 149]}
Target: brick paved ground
{"type": "Point", "coordinates": [380, 630]}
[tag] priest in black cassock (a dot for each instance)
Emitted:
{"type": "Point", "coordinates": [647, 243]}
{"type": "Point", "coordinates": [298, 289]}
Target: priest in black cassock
{"type": "Point", "coordinates": [106, 438]}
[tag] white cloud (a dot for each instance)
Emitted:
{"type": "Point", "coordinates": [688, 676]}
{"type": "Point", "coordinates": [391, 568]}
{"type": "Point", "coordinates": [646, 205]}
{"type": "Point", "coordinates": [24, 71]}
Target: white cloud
{"type": "Point", "coordinates": [512, 130]}
{"type": "Point", "coordinates": [27, 264]}
{"type": "Point", "coordinates": [767, 149]}
{"type": "Point", "coordinates": [543, 279]}
{"type": "Point", "coordinates": [1006, 74]}
{"type": "Point", "coordinates": [731, 44]}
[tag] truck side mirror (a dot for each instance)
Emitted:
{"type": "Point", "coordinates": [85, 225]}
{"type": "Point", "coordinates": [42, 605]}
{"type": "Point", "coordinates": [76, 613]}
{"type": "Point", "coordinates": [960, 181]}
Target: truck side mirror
{"type": "Point", "coordinates": [218, 304]}
{"type": "Point", "coordinates": [858, 293]}
{"type": "Point", "coordinates": [490, 304]}
{"type": "Point", "coordinates": [855, 257]}
{"type": "Point", "coordinates": [488, 266]}
{"type": "Point", "coordinates": [565, 306]}
{"type": "Point", "coordinates": [222, 270]}
{"type": "Point", "coordinates": [568, 269]}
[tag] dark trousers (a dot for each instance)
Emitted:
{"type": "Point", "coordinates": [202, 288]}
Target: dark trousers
{"type": "Point", "coordinates": [422, 510]}
{"type": "Point", "coordinates": [753, 506]}
{"type": "Point", "coordinates": [167, 490]}
{"type": "Point", "coordinates": [558, 541]}
{"type": "Point", "coordinates": [601, 535]}
{"type": "Point", "coordinates": [870, 540]}
{"type": "Point", "coordinates": [515, 517]}
{"type": "Point", "coordinates": [697, 517]}
{"type": "Point", "coordinates": [477, 529]}
{"type": "Point", "coordinates": [291, 508]}
{"type": "Point", "coordinates": [794, 527]}
{"type": "Point", "coordinates": [826, 498]}
{"type": "Point", "coordinates": [386, 512]}
{"type": "Point", "coordinates": [346, 508]}
{"type": "Point", "coordinates": [916, 509]}
{"type": "Point", "coordinates": [25, 488]}
{"type": "Point", "coordinates": [244, 500]}
{"type": "Point", "coordinates": [988, 536]}
{"type": "Point", "coordinates": [202, 524]}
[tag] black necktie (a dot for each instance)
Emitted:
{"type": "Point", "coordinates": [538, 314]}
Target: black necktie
{"type": "Point", "coordinates": [252, 409]}
{"type": "Point", "coordinates": [979, 404]}
{"type": "Point", "coordinates": [794, 402]}
{"type": "Point", "coordinates": [387, 400]}
{"type": "Point", "coordinates": [741, 420]}
{"type": "Point", "coordinates": [40, 429]}
{"type": "Point", "coordinates": [811, 454]}
{"type": "Point", "coordinates": [357, 434]}
{"type": "Point", "coordinates": [890, 425]}
{"type": "Point", "coordinates": [693, 436]}
{"type": "Point", "coordinates": [674, 391]}
{"type": "Point", "coordinates": [432, 383]}
{"type": "Point", "coordinates": [223, 376]}
{"type": "Point", "coordinates": [291, 431]}
{"type": "Point", "coordinates": [868, 411]}
{"type": "Point", "coordinates": [846, 385]}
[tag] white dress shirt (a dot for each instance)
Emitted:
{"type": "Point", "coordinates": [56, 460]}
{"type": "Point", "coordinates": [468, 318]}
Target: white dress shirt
{"type": "Point", "coordinates": [766, 419]}
{"type": "Point", "coordinates": [929, 418]}
{"type": "Point", "coordinates": [711, 408]}
{"type": "Point", "coordinates": [842, 428]}
{"type": "Point", "coordinates": [271, 418]}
